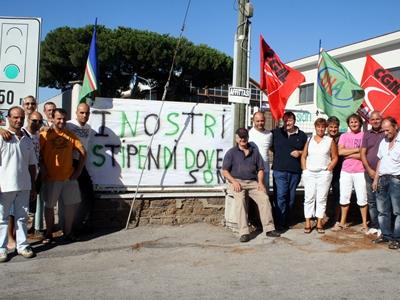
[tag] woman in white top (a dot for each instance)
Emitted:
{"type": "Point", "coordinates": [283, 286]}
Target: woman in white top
{"type": "Point", "coordinates": [319, 157]}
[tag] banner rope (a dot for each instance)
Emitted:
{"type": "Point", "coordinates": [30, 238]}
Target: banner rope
{"type": "Point", "coordinates": [158, 116]}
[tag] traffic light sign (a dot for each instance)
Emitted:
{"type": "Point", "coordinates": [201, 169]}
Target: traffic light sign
{"type": "Point", "coordinates": [19, 59]}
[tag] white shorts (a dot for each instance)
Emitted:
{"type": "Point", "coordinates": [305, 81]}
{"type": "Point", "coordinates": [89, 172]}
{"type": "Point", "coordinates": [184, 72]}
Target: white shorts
{"type": "Point", "coordinates": [347, 182]}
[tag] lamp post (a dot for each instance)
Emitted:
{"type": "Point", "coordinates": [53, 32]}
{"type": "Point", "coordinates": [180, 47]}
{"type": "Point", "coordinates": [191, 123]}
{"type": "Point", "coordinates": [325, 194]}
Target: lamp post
{"type": "Point", "coordinates": [240, 69]}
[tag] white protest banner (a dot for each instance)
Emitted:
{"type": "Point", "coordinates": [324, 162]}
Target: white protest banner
{"type": "Point", "coordinates": [189, 143]}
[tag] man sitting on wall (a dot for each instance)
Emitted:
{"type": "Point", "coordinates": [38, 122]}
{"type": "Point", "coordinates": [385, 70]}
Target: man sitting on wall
{"type": "Point", "coordinates": [243, 167]}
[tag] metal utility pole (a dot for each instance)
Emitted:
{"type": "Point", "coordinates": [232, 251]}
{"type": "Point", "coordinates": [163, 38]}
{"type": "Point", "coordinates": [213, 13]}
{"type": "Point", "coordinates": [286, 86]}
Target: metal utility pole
{"type": "Point", "coordinates": [240, 60]}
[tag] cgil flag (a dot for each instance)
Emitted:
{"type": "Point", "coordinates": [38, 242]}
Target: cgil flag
{"type": "Point", "coordinates": [90, 79]}
{"type": "Point", "coordinates": [338, 93]}
{"type": "Point", "coordinates": [381, 91]}
{"type": "Point", "coordinates": [277, 79]}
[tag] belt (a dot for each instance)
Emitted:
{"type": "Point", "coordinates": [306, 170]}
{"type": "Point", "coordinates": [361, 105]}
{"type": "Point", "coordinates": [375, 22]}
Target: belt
{"type": "Point", "coordinates": [393, 176]}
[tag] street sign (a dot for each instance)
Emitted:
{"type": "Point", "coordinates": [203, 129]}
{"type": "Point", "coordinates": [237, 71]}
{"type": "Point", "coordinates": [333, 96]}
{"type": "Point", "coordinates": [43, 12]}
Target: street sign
{"type": "Point", "coordinates": [19, 59]}
{"type": "Point", "coordinates": [239, 95]}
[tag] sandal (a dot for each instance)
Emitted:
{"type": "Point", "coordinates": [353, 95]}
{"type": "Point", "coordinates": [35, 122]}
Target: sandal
{"type": "Point", "coordinates": [338, 227]}
{"type": "Point", "coordinates": [307, 230]}
{"type": "Point", "coordinates": [394, 245]}
{"type": "Point", "coordinates": [48, 239]}
{"type": "Point", "coordinates": [320, 230]}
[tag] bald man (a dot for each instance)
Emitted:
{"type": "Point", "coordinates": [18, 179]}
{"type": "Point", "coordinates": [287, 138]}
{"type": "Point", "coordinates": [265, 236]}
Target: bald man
{"type": "Point", "coordinates": [17, 172]}
{"type": "Point", "coordinates": [29, 105]}
{"type": "Point", "coordinates": [83, 131]}
{"type": "Point", "coordinates": [262, 138]}
{"type": "Point", "coordinates": [369, 158]}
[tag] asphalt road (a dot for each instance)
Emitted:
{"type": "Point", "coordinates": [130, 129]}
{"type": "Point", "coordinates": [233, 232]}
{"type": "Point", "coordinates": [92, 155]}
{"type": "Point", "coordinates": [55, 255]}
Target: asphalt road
{"type": "Point", "coordinates": [201, 261]}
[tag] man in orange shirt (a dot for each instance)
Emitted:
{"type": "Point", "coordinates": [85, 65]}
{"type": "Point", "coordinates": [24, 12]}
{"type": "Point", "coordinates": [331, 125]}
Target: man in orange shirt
{"type": "Point", "coordinates": [58, 174]}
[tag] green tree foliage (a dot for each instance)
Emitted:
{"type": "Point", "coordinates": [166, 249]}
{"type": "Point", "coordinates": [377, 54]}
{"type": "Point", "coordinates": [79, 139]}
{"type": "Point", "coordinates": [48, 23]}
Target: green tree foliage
{"type": "Point", "coordinates": [124, 51]}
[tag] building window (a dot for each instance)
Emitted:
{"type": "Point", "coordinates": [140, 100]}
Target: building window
{"type": "Point", "coordinates": [306, 94]}
{"type": "Point", "coordinates": [395, 71]}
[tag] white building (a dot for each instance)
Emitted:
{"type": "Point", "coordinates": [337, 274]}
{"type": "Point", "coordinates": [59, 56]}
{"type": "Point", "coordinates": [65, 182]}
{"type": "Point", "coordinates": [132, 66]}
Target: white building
{"type": "Point", "coordinates": [385, 49]}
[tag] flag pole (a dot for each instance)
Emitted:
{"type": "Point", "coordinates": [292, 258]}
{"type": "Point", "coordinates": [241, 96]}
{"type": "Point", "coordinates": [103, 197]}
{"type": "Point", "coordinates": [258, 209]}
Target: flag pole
{"type": "Point", "coordinates": [317, 82]}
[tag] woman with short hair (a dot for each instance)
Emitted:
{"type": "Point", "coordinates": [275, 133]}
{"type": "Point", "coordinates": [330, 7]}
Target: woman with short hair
{"type": "Point", "coordinates": [319, 157]}
{"type": "Point", "coordinates": [352, 174]}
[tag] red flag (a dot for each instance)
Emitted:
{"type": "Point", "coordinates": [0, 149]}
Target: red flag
{"type": "Point", "coordinates": [382, 91]}
{"type": "Point", "coordinates": [277, 79]}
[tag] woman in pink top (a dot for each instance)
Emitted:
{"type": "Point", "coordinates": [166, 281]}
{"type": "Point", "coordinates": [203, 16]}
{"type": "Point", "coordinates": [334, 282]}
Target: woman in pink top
{"type": "Point", "coordinates": [352, 174]}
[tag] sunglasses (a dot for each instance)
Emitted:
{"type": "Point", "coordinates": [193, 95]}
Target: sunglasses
{"type": "Point", "coordinates": [36, 121]}
{"type": "Point", "coordinates": [30, 103]}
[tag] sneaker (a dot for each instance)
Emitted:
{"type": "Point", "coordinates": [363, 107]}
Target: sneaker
{"type": "Point", "coordinates": [244, 238]}
{"type": "Point", "coordinates": [372, 231]}
{"type": "Point", "coordinates": [27, 252]}
{"type": "Point", "coordinates": [379, 233]}
{"type": "Point", "coordinates": [273, 233]}
{"type": "Point", "coordinates": [3, 256]}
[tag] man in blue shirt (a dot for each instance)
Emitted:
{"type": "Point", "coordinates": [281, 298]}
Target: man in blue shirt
{"type": "Point", "coordinates": [243, 167]}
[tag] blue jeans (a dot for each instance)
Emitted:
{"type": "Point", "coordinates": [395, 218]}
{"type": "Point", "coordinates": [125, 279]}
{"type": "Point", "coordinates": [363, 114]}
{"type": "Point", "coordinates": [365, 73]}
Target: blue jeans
{"type": "Point", "coordinates": [20, 200]}
{"type": "Point", "coordinates": [388, 203]}
{"type": "Point", "coordinates": [372, 208]}
{"type": "Point", "coordinates": [285, 195]}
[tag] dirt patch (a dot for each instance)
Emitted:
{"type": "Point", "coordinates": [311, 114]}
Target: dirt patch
{"type": "Point", "coordinates": [159, 244]}
{"type": "Point", "coordinates": [349, 240]}
{"type": "Point", "coordinates": [145, 244]}
{"type": "Point", "coordinates": [240, 250]}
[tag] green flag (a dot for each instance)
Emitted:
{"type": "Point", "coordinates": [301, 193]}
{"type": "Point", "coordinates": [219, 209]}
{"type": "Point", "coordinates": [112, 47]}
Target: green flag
{"type": "Point", "coordinates": [338, 93]}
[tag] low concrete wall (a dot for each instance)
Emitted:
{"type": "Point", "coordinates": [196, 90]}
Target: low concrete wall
{"type": "Point", "coordinates": [113, 213]}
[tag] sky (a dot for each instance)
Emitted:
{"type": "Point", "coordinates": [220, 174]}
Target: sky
{"type": "Point", "coordinates": [292, 28]}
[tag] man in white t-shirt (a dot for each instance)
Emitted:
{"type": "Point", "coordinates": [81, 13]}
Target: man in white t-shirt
{"type": "Point", "coordinates": [387, 184]}
{"type": "Point", "coordinates": [29, 105]}
{"type": "Point", "coordinates": [262, 138]}
{"type": "Point", "coordinates": [17, 172]}
{"type": "Point", "coordinates": [83, 131]}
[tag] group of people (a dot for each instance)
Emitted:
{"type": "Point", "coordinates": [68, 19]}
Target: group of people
{"type": "Point", "coordinates": [45, 156]}
{"type": "Point", "coordinates": [367, 161]}
{"type": "Point", "coordinates": [42, 165]}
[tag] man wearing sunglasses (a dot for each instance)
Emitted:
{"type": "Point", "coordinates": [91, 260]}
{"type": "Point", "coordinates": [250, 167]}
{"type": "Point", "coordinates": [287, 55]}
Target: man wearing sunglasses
{"type": "Point", "coordinates": [29, 105]}
{"type": "Point", "coordinates": [35, 122]}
